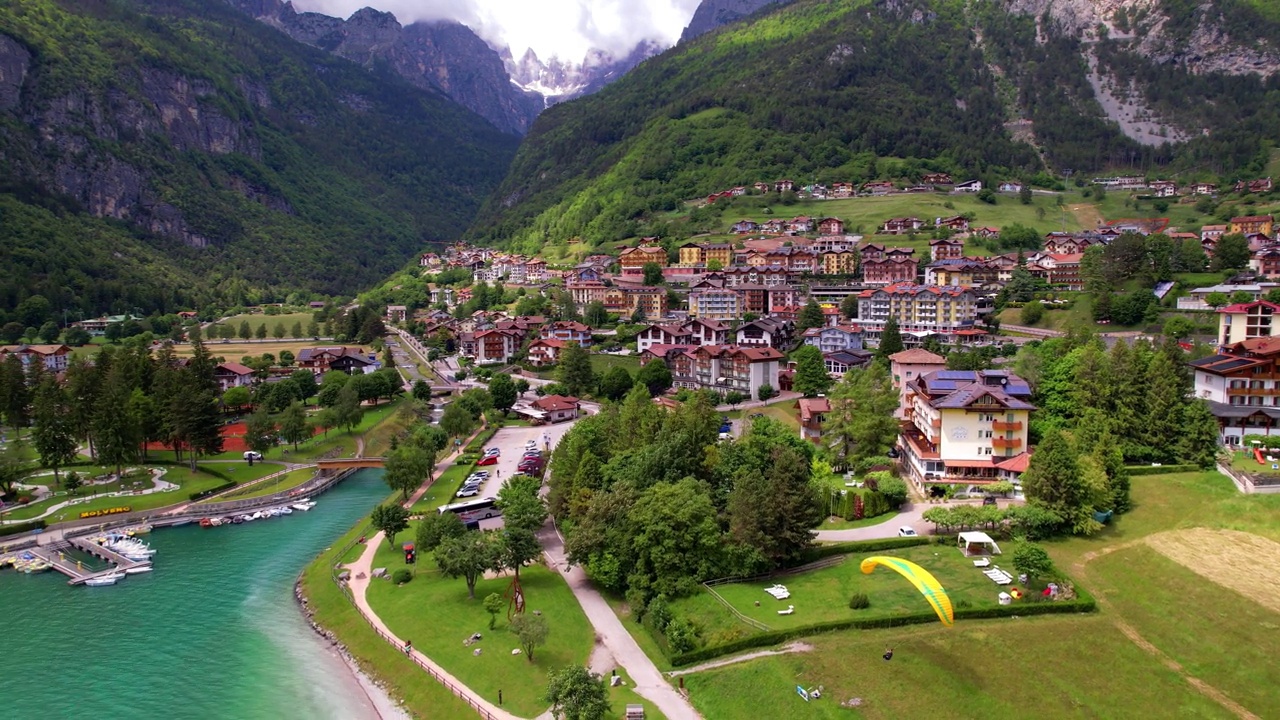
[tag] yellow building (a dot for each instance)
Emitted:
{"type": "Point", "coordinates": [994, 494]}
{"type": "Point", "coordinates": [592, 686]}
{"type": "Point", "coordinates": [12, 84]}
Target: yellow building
{"type": "Point", "coordinates": [692, 254]}
{"type": "Point", "coordinates": [1245, 321]}
{"type": "Point", "coordinates": [839, 262]}
{"type": "Point", "coordinates": [1249, 224]}
{"type": "Point", "coordinates": [966, 428]}
{"type": "Point", "coordinates": [718, 252]}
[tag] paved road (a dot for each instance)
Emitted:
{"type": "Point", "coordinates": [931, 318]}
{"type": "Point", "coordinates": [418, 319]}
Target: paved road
{"type": "Point", "coordinates": [912, 516]}
{"type": "Point", "coordinates": [649, 681]}
{"type": "Point", "coordinates": [1037, 332]}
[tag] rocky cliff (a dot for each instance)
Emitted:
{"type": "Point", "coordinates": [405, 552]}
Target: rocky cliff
{"type": "Point", "coordinates": [711, 14]}
{"type": "Point", "coordinates": [557, 80]}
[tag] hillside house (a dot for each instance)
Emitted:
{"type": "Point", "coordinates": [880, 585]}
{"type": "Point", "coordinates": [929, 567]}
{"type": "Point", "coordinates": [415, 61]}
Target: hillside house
{"type": "Point", "coordinates": [969, 186]}
{"type": "Point", "coordinates": [725, 368]}
{"type": "Point", "coordinates": [831, 339]}
{"type": "Point", "coordinates": [351, 360]}
{"type": "Point", "coordinates": [567, 331]}
{"type": "Point", "coordinates": [842, 190]}
{"type": "Point", "coordinates": [947, 249]}
{"type": "Point", "coordinates": [632, 260]}
{"type": "Point", "coordinates": [882, 187]}
{"type": "Point", "coordinates": [1248, 224]}
{"type": "Point", "coordinates": [889, 271]}
{"type": "Point", "coordinates": [830, 226]}
{"type": "Point", "coordinates": [901, 226]}
{"type": "Point", "coordinates": [53, 358]}
{"type": "Point", "coordinates": [229, 375]}
{"type": "Point", "coordinates": [556, 408]}
{"type": "Point", "coordinates": [1010, 186]}
{"type": "Point", "coordinates": [765, 332]}
{"type": "Point", "coordinates": [813, 413]}
{"type": "Point", "coordinates": [936, 179]}
{"type": "Point", "coordinates": [782, 186]}
{"type": "Point", "coordinates": [1164, 189]}
{"type": "Point", "coordinates": [744, 227]}
{"type": "Point", "coordinates": [544, 352]}
{"type": "Point", "coordinates": [653, 335]}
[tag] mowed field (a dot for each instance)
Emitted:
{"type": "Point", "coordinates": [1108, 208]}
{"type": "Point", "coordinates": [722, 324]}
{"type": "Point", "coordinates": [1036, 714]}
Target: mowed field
{"type": "Point", "coordinates": [256, 320]}
{"type": "Point", "coordinates": [1187, 623]}
{"type": "Point", "coordinates": [233, 350]}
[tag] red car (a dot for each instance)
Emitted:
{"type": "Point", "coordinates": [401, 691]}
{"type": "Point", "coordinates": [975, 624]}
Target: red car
{"type": "Point", "coordinates": [489, 460]}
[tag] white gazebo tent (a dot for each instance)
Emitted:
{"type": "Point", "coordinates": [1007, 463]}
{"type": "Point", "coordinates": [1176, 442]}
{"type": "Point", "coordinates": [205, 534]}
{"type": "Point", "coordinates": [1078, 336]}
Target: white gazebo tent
{"type": "Point", "coordinates": [977, 544]}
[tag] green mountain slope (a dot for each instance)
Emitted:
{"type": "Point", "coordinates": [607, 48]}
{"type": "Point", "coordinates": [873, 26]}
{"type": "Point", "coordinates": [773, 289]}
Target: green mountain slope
{"type": "Point", "coordinates": [183, 147]}
{"type": "Point", "coordinates": [826, 91]}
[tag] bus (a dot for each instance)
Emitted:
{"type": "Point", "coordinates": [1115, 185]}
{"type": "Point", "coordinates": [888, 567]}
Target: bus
{"type": "Point", "coordinates": [473, 511]}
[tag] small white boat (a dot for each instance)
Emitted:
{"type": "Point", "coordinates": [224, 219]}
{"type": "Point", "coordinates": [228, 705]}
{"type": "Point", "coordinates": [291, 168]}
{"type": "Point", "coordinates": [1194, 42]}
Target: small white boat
{"type": "Point", "coordinates": [304, 506]}
{"type": "Point", "coordinates": [103, 580]}
{"type": "Point", "coordinates": [285, 510]}
{"type": "Point", "coordinates": [138, 570]}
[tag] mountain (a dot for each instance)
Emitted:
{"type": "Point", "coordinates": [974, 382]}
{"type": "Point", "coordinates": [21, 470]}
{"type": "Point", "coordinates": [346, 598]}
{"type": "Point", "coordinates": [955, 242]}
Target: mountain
{"type": "Point", "coordinates": [439, 56]}
{"type": "Point", "coordinates": [854, 90]}
{"type": "Point", "coordinates": [160, 153]}
{"type": "Point", "coordinates": [558, 81]}
{"type": "Point", "coordinates": [712, 14]}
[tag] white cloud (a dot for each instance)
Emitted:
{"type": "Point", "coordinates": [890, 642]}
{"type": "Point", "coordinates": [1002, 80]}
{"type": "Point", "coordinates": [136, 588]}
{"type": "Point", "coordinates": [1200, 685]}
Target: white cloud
{"type": "Point", "coordinates": [565, 28]}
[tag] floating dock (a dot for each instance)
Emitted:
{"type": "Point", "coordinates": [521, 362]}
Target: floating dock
{"type": "Point", "coordinates": [52, 554]}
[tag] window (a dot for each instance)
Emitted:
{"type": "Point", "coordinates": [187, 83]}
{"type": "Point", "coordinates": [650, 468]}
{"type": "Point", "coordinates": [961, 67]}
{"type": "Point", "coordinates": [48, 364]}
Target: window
{"type": "Point", "coordinates": [984, 451]}
{"type": "Point", "coordinates": [987, 417]}
{"type": "Point", "coordinates": [984, 433]}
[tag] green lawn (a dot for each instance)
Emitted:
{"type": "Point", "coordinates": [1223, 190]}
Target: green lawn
{"type": "Point", "coordinates": [823, 595]}
{"type": "Point", "coordinates": [1054, 666]}
{"type": "Point", "coordinates": [256, 320]}
{"type": "Point", "coordinates": [436, 614]}
{"type": "Point", "coordinates": [602, 364]}
{"type": "Point", "coordinates": [188, 483]}
{"type": "Point", "coordinates": [422, 696]}
{"type": "Point", "coordinates": [1245, 462]}
{"type": "Point", "coordinates": [283, 483]}
{"type": "Point", "coordinates": [442, 490]}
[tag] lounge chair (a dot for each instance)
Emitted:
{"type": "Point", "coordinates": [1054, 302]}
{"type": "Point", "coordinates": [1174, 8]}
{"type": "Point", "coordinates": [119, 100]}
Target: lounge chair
{"type": "Point", "coordinates": [790, 609]}
{"type": "Point", "coordinates": [984, 562]}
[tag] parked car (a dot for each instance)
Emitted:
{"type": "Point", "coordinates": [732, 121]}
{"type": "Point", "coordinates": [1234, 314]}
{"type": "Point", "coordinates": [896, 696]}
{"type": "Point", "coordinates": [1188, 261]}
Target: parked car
{"type": "Point", "coordinates": [907, 531]}
{"type": "Point", "coordinates": [488, 460]}
{"type": "Point", "coordinates": [988, 500]}
{"type": "Point", "coordinates": [252, 455]}
{"type": "Point", "coordinates": [468, 491]}
{"type": "Point", "coordinates": [493, 451]}
{"type": "Point", "coordinates": [480, 474]}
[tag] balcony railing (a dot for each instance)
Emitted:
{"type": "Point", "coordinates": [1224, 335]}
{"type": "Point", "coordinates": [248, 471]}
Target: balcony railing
{"type": "Point", "coordinates": [1003, 426]}
{"type": "Point", "coordinates": [1006, 443]}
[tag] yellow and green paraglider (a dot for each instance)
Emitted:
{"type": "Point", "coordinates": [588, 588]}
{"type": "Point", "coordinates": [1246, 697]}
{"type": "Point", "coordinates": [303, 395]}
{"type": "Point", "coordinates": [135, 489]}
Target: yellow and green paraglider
{"type": "Point", "coordinates": [924, 581]}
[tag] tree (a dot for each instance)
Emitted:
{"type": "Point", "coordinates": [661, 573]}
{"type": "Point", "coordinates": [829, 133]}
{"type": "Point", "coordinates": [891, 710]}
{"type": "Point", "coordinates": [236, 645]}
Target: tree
{"type": "Point", "coordinates": [260, 431]}
{"type": "Point", "coordinates": [656, 376]}
{"type": "Point", "coordinates": [406, 468]}
{"type": "Point", "coordinates": [517, 547]}
{"type": "Point", "coordinates": [278, 331]}
{"type": "Point", "coordinates": [577, 694]}
{"type": "Point", "coordinates": [1031, 560]}
{"type": "Point", "coordinates": [456, 421]}
{"type": "Point", "coordinates": [293, 424]}
{"type": "Point", "coordinates": [765, 392]}
{"type": "Point", "coordinates": [14, 393]}
{"type": "Point", "coordinates": [890, 340]}
{"type": "Point", "coordinates": [575, 371]}
{"type": "Point", "coordinates": [595, 315]}
{"type": "Point", "coordinates": [246, 332]}
{"type": "Point", "coordinates": [811, 372]}
{"type": "Point", "coordinates": [675, 540]}
{"type": "Point", "coordinates": [467, 557]}
{"type": "Point", "coordinates": [72, 482]}
{"type": "Point", "coordinates": [1198, 435]}
{"type": "Point", "coordinates": [306, 382]}
{"type": "Point", "coordinates": [49, 331]}
{"type": "Point", "coordinates": [1024, 194]}
{"type": "Point", "coordinates": [1031, 313]}
{"type": "Point", "coordinates": [1216, 300]}
{"type": "Point", "coordinates": [810, 316]}
{"type": "Point", "coordinates": [11, 468]}
{"type": "Point", "coordinates": [1165, 398]}
{"type": "Point", "coordinates": [653, 274]}
{"type": "Point", "coordinates": [236, 397]}
{"type": "Point", "coordinates": [503, 391]}
{"type": "Point", "coordinates": [522, 386]}
{"type": "Point", "coordinates": [346, 407]}
{"type": "Point", "coordinates": [52, 432]}
{"type": "Point", "coordinates": [1178, 327]}
{"type": "Point", "coordinates": [493, 603]}
{"type": "Point", "coordinates": [391, 520]}
{"type": "Point", "coordinates": [531, 630]}
{"type": "Point", "coordinates": [261, 331]}
{"type": "Point", "coordinates": [436, 528]}
{"type": "Point", "coordinates": [849, 307]}
{"type": "Point", "coordinates": [1053, 481]}
{"type": "Point", "coordinates": [773, 509]}
{"type": "Point", "coordinates": [616, 383]}
{"type": "Point", "coordinates": [862, 422]}
{"type": "Point", "coordinates": [117, 438]}
{"type": "Point", "coordinates": [313, 329]}
{"type": "Point", "coordinates": [733, 398]}
{"type": "Point", "coordinates": [1231, 253]}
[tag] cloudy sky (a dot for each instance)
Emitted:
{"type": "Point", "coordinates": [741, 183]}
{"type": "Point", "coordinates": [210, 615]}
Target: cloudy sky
{"type": "Point", "coordinates": [566, 28]}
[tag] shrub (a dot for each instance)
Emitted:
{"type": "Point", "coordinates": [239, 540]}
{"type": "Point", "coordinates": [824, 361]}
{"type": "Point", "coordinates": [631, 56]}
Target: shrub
{"type": "Point", "coordinates": [658, 614]}
{"type": "Point", "coordinates": [859, 601]}
{"type": "Point", "coordinates": [963, 603]}
{"type": "Point", "coordinates": [20, 528]}
{"type": "Point", "coordinates": [862, 546]}
{"type": "Point", "coordinates": [682, 636]}
{"type": "Point", "coordinates": [401, 576]}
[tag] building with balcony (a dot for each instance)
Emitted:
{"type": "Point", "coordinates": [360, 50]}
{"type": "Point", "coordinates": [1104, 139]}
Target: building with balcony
{"type": "Point", "coordinates": [1247, 224]}
{"type": "Point", "coordinates": [1242, 386]}
{"type": "Point", "coordinates": [965, 428]}
{"type": "Point", "coordinates": [632, 260]}
{"type": "Point", "coordinates": [715, 304]}
{"type": "Point", "coordinates": [566, 331]}
{"type": "Point", "coordinates": [906, 366]}
{"type": "Point", "coordinates": [813, 412]}
{"type": "Point", "coordinates": [725, 368]}
{"type": "Point", "coordinates": [1246, 321]}
{"type": "Point", "coordinates": [54, 358]}
{"type": "Point", "coordinates": [766, 332]}
{"type": "Point", "coordinates": [831, 339]}
{"type": "Point", "coordinates": [921, 310]}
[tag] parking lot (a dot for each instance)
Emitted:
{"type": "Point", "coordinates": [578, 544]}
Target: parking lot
{"type": "Point", "coordinates": [511, 441]}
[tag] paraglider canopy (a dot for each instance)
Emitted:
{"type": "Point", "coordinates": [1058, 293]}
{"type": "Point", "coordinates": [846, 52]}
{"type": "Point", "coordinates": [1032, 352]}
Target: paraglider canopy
{"type": "Point", "coordinates": [924, 581]}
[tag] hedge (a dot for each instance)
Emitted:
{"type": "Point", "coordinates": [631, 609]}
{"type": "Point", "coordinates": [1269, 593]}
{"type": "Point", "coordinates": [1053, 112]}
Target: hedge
{"type": "Point", "coordinates": [477, 445]}
{"type": "Point", "coordinates": [1083, 603]}
{"type": "Point", "coordinates": [859, 546]}
{"type": "Point", "coordinates": [213, 490]}
{"type": "Point", "coordinates": [1161, 469]}
{"type": "Point", "coordinates": [21, 528]}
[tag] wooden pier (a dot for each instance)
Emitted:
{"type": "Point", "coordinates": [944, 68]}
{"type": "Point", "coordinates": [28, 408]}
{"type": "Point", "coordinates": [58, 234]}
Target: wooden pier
{"type": "Point", "coordinates": [52, 554]}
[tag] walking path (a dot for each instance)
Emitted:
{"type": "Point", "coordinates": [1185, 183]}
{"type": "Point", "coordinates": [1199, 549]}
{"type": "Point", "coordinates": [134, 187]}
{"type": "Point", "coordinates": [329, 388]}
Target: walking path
{"type": "Point", "coordinates": [794, 647]}
{"type": "Point", "coordinates": [649, 681]}
{"type": "Point", "coordinates": [158, 485]}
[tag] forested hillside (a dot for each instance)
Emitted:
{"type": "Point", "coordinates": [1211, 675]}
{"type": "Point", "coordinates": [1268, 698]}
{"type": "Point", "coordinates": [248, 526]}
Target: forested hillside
{"type": "Point", "coordinates": [155, 154]}
{"type": "Point", "coordinates": [827, 91]}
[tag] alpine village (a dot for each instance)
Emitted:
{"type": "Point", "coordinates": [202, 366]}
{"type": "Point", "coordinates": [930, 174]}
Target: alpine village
{"type": "Point", "coordinates": [843, 358]}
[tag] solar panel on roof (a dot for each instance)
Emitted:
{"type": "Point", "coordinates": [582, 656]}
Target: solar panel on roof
{"type": "Point", "coordinates": [956, 374]}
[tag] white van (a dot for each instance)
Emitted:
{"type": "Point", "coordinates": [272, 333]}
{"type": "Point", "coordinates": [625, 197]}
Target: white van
{"type": "Point", "coordinates": [252, 455]}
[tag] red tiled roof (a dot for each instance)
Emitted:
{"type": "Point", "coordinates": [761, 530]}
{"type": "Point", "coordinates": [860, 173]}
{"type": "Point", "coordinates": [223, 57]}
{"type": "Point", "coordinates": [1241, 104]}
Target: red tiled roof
{"type": "Point", "coordinates": [917, 355]}
{"type": "Point", "coordinates": [1245, 307]}
{"type": "Point", "coordinates": [1018, 463]}
{"type": "Point", "coordinates": [552, 403]}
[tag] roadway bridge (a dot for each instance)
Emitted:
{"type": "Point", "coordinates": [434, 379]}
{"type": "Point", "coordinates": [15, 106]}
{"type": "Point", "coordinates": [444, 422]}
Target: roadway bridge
{"type": "Point", "coordinates": [346, 463]}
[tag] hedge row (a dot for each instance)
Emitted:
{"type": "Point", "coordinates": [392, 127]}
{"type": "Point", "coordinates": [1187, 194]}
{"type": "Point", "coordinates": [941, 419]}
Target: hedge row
{"type": "Point", "coordinates": [21, 528]}
{"type": "Point", "coordinates": [861, 546]}
{"type": "Point", "coordinates": [1083, 603]}
{"type": "Point", "coordinates": [477, 445]}
{"type": "Point", "coordinates": [213, 490]}
{"type": "Point", "coordinates": [1162, 469]}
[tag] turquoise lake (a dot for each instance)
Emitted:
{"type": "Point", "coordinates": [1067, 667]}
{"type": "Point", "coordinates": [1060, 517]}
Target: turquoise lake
{"type": "Point", "coordinates": [213, 632]}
